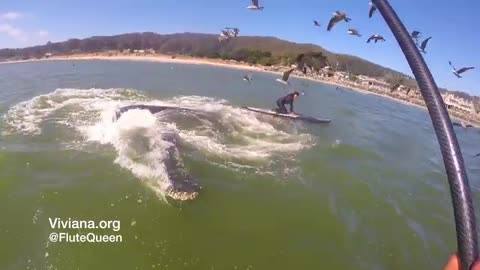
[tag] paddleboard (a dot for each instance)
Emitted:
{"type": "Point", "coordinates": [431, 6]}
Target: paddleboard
{"type": "Point", "coordinates": [289, 116]}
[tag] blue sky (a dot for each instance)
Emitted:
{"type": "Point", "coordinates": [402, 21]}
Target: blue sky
{"type": "Point", "coordinates": [30, 22]}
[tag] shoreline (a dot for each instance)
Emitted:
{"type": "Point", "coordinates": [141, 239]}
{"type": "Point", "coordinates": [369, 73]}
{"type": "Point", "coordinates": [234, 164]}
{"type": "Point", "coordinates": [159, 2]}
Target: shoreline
{"type": "Point", "coordinates": [180, 59]}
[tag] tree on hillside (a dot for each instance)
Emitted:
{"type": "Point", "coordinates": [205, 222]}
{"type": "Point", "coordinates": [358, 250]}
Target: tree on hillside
{"type": "Point", "coordinates": [395, 82]}
{"type": "Point", "coordinates": [317, 60]}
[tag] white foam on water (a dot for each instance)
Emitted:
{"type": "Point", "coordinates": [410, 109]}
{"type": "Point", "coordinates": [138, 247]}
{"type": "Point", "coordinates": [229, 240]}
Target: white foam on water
{"type": "Point", "coordinates": [138, 141]}
{"type": "Point", "coordinates": [260, 139]}
{"type": "Point", "coordinates": [26, 117]}
{"type": "Point", "coordinates": [224, 134]}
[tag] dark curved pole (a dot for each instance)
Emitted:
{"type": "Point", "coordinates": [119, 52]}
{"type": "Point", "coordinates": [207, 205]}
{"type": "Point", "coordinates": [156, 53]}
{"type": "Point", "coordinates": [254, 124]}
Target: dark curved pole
{"type": "Point", "coordinates": [452, 156]}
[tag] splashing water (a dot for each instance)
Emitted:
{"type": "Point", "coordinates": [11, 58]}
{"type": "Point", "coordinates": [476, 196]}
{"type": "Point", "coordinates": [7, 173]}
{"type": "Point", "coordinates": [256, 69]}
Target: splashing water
{"type": "Point", "coordinates": [221, 133]}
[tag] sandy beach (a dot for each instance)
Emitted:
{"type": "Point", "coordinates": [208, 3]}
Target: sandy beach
{"type": "Point", "coordinates": [148, 58]}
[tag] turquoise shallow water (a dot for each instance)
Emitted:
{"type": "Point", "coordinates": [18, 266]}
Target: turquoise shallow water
{"type": "Point", "coordinates": [367, 192]}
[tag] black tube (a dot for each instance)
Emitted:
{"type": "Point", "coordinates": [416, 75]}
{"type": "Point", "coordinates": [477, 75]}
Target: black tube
{"type": "Point", "coordinates": [452, 156]}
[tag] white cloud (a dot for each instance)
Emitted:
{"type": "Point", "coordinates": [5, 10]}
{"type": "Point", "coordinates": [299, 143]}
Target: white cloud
{"type": "Point", "coordinates": [11, 15]}
{"type": "Point", "coordinates": [13, 32]}
{"type": "Point", "coordinates": [42, 33]}
{"type": "Point", "coordinates": [18, 34]}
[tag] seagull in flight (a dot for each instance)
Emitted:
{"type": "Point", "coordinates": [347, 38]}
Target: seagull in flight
{"type": "Point", "coordinates": [338, 16]}
{"type": "Point", "coordinates": [373, 8]}
{"type": "Point", "coordinates": [248, 78]}
{"type": "Point", "coordinates": [354, 32]}
{"type": "Point", "coordinates": [376, 38]}
{"type": "Point", "coordinates": [423, 46]}
{"type": "Point", "coordinates": [415, 35]}
{"type": "Point", "coordinates": [316, 23]}
{"type": "Point", "coordinates": [255, 6]}
{"type": "Point", "coordinates": [285, 76]}
{"type": "Point", "coordinates": [458, 72]}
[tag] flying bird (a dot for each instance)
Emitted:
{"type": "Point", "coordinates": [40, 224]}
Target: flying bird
{"type": "Point", "coordinates": [316, 23]}
{"type": "Point", "coordinates": [423, 46]}
{"type": "Point", "coordinates": [255, 6]}
{"type": "Point", "coordinates": [373, 8]}
{"type": "Point", "coordinates": [415, 35]}
{"type": "Point", "coordinates": [248, 78]}
{"type": "Point", "coordinates": [458, 72]}
{"type": "Point", "coordinates": [376, 38]}
{"type": "Point", "coordinates": [354, 32]}
{"type": "Point", "coordinates": [338, 16]}
{"type": "Point", "coordinates": [285, 76]}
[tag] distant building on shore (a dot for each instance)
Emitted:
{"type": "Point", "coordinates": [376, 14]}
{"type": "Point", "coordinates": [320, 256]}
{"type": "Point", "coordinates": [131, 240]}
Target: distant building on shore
{"type": "Point", "coordinates": [458, 104]}
{"type": "Point", "coordinates": [372, 83]}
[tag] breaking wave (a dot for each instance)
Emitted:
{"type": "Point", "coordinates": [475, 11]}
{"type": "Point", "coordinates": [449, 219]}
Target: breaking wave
{"type": "Point", "coordinates": [221, 133]}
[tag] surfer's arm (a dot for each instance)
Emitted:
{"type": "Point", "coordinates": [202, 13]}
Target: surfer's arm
{"type": "Point", "coordinates": [291, 108]}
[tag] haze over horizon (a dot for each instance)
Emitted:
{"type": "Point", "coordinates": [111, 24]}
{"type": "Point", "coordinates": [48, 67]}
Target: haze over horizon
{"type": "Point", "coordinates": [451, 26]}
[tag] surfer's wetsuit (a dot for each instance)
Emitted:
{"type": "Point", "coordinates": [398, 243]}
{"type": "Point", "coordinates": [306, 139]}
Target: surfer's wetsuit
{"type": "Point", "coordinates": [281, 102]}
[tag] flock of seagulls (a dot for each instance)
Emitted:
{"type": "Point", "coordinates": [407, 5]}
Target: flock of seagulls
{"type": "Point", "coordinates": [337, 17]}
{"type": "Point", "coordinates": [340, 16]}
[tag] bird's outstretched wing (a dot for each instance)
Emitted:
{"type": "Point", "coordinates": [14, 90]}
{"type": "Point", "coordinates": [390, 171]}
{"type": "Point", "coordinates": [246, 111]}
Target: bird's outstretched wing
{"type": "Point", "coordinates": [335, 19]}
{"type": "Point", "coordinates": [462, 70]}
{"type": "Point", "coordinates": [286, 74]}
{"type": "Point", "coordinates": [423, 46]}
{"type": "Point", "coordinates": [373, 8]}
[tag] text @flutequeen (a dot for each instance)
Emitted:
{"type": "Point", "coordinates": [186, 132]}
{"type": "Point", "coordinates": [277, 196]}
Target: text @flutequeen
{"type": "Point", "coordinates": [84, 231]}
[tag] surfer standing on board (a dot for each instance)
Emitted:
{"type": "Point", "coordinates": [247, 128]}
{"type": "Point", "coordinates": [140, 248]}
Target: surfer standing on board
{"type": "Point", "coordinates": [288, 99]}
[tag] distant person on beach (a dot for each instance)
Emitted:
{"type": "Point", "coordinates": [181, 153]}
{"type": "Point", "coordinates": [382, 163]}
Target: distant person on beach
{"type": "Point", "coordinates": [287, 100]}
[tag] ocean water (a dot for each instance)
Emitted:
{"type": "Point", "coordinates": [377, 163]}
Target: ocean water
{"type": "Point", "coordinates": [368, 191]}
